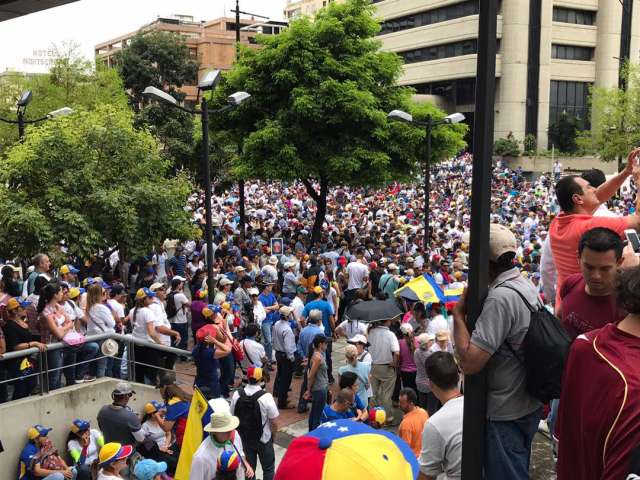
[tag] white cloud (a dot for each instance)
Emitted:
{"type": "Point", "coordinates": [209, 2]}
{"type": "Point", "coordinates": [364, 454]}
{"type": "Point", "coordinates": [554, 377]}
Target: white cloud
{"type": "Point", "coordinates": [89, 22]}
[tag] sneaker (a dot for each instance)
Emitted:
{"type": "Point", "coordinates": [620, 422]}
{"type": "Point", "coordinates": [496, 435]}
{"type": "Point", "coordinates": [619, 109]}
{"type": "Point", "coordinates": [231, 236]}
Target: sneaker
{"type": "Point", "coordinates": [543, 427]}
{"type": "Point", "coordinates": [88, 379]}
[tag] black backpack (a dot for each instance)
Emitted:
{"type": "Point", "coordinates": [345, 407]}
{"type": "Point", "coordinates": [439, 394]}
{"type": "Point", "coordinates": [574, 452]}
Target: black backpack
{"type": "Point", "coordinates": [248, 412]}
{"type": "Point", "coordinates": [171, 309]}
{"type": "Point", "coordinates": [546, 346]}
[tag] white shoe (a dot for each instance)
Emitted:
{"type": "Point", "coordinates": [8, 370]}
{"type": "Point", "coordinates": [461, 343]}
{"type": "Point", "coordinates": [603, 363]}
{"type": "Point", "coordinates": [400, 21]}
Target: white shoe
{"type": "Point", "coordinates": [543, 427]}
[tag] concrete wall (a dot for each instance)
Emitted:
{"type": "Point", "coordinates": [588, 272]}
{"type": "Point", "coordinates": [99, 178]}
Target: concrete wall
{"type": "Point", "coordinates": [57, 410]}
{"type": "Point", "coordinates": [543, 164]}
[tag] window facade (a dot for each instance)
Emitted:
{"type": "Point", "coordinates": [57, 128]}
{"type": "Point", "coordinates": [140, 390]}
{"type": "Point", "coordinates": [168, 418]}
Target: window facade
{"type": "Point", "coordinates": [571, 15]}
{"type": "Point", "coordinates": [436, 52]}
{"type": "Point", "coordinates": [442, 14]}
{"type": "Point", "coordinates": [572, 98]}
{"type": "Point", "coordinates": [459, 92]}
{"type": "Point", "coordinates": [571, 52]}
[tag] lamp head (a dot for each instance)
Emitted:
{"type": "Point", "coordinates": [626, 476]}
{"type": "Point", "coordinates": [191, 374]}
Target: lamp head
{"type": "Point", "coordinates": [159, 95]}
{"type": "Point", "coordinates": [454, 118]}
{"type": "Point", "coordinates": [210, 80]}
{"type": "Point", "coordinates": [25, 98]}
{"type": "Point", "coordinates": [61, 112]}
{"type": "Point", "coordinates": [237, 98]}
{"type": "Point", "coordinates": [400, 116]}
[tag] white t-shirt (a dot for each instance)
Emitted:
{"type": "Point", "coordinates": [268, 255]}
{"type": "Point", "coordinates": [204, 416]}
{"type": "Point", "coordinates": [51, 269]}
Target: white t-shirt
{"type": "Point", "coordinates": [142, 316]}
{"type": "Point", "coordinates": [161, 320]}
{"type": "Point", "coordinates": [268, 409]}
{"type": "Point", "coordinates": [153, 431]}
{"type": "Point", "coordinates": [351, 328]}
{"type": "Point", "coordinates": [92, 448]}
{"type": "Point", "coordinates": [259, 313]}
{"type": "Point", "coordinates": [298, 305]}
{"type": "Point", "coordinates": [104, 476]}
{"type": "Point", "coordinates": [193, 268]}
{"type": "Point", "coordinates": [383, 344]}
{"type": "Point", "coordinates": [100, 320]}
{"type": "Point", "coordinates": [180, 300]}
{"type": "Point", "coordinates": [357, 272]}
{"type": "Point", "coordinates": [254, 353]}
{"type": "Point", "coordinates": [204, 462]}
{"type": "Point", "coordinates": [437, 324]}
{"type": "Point", "coordinates": [116, 307]}
{"type": "Point", "coordinates": [442, 442]}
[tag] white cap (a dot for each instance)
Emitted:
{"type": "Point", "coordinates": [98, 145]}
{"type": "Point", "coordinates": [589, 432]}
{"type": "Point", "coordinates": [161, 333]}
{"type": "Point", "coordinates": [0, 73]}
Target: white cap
{"type": "Point", "coordinates": [273, 260]}
{"type": "Point", "coordinates": [392, 266]}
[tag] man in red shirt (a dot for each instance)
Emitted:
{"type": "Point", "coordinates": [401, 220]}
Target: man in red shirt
{"type": "Point", "coordinates": [588, 298]}
{"type": "Point", "coordinates": [599, 414]}
{"type": "Point", "coordinates": [578, 200]}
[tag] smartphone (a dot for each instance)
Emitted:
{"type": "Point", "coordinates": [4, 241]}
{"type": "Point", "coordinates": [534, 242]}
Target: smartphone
{"type": "Point", "coordinates": [634, 240]}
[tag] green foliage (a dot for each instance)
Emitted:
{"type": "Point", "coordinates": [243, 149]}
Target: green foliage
{"type": "Point", "coordinates": [563, 133]}
{"type": "Point", "coordinates": [530, 144]}
{"type": "Point", "coordinates": [162, 60]}
{"type": "Point", "coordinates": [615, 117]}
{"type": "Point", "coordinates": [446, 140]}
{"type": "Point", "coordinates": [506, 147]}
{"type": "Point", "coordinates": [89, 181]}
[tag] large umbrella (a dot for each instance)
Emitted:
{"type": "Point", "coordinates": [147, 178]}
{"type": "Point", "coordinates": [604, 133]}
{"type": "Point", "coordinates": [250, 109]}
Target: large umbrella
{"type": "Point", "coordinates": [425, 289]}
{"type": "Point", "coordinates": [374, 310]}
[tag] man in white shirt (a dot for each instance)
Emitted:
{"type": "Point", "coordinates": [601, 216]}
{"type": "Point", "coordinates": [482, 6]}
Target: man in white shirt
{"type": "Point", "coordinates": [441, 455]}
{"type": "Point", "coordinates": [254, 353]}
{"type": "Point", "coordinates": [162, 325]}
{"type": "Point", "coordinates": [182, 303]}
{"type": "Point", "coordinates": [298, 305]}
{"type": "Point", "coordinates": [358, 272]}
{"type": "Point", "coordinates": [256, 433]}
{"type": "Point", "coordinates": [385, 354]}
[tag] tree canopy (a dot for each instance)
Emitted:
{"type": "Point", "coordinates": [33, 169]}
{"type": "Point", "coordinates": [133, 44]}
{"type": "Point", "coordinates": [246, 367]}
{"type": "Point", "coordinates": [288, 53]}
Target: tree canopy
{"type": "Point", "coordinates": [321, 91]}
{"type": "Point", "coordinates": [86, 182]}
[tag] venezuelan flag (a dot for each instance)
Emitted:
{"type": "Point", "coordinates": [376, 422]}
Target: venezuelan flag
{"type": "Point", "coordinates": [199, 414]}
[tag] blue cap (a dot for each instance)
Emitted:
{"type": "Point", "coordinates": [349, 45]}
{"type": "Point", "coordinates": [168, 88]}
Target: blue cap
{"type": "Point", "coordinates": [216, 308]}
{"type": "Point", "coordinates": [105, 285]}
{"type": "Point", "coordinates": [38, 431]}
{"type": "Point", "coordinates": [324, 284]}
{"type": "Point", "coordinates": [286, 301]}
{"type": "Point", "coordinates": [79, 425]}
{"type": "Point", "coordinates": [147, 469]}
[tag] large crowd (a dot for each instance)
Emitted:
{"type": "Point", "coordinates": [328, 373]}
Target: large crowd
{"type": "Point", "coordinates": [281, 299]}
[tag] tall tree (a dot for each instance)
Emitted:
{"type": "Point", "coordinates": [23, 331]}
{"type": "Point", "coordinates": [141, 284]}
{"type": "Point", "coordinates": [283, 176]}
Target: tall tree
{"type": "Point", "coordinates": [321, 91]}
{"type": "Point", "coordinates": [162, 60]}
{"type": "Point", "coordinates": [86, 182]}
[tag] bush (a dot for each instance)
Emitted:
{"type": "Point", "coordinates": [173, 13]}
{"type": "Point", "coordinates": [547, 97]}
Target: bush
{"type": "Point", "coordinates": [530, 144]}
{"type": "Point", "coordinates": [506, 147]}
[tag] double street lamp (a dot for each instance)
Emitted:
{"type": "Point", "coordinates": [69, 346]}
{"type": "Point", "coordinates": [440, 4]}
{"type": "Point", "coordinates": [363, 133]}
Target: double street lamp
{"type": "Point", "coordinates": [209, 82]}
{"type": "Point", "coordinates": [21, 107]}
{"type": "Point", "coordinates": [428, 125]}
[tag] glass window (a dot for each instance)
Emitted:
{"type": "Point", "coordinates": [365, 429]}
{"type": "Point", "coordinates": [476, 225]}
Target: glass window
{"type": "Point", "coordinates": [441, 14]}
{"type": "Point", "coordinates": [569, 15]}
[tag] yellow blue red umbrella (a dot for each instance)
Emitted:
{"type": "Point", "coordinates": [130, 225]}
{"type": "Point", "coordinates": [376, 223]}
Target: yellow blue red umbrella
{"type": "Point", "coordinates": [425, 289]}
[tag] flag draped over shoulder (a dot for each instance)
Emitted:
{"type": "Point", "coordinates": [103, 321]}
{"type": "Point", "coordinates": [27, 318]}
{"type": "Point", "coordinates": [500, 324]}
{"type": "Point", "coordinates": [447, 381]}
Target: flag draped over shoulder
{"type": "Point", "coordinates": [199, 414]}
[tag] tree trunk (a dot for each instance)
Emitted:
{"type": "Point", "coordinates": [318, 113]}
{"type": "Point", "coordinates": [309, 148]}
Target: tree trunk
{"type": "Point", "coordinates": [321, 205]}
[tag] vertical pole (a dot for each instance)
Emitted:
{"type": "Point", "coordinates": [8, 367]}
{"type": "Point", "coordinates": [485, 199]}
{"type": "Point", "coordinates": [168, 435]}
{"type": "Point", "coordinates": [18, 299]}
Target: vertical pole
{"type": "Point", "coordinates": [475, 404]}
{"type": "Point", "coordinates": [21, 123]}
{"type": "Point", "coordinates": [206, 168]}
{"type": "Point", "coordinates": [427, 187]}
{"type": "Point", "coordinates": [241, 199]}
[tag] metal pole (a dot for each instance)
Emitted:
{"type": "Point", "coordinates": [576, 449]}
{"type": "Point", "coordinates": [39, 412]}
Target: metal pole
{"type": "Point", "coordinates": [475, 386]}
{"type": "Point", "coordinates": [21, 131]}
{"type": "Point", "coordinates": [206, 168]}
{"type": "Point", "coordinates": [241, 200]}
{"type": "Point", "coordinates": [427, 186]}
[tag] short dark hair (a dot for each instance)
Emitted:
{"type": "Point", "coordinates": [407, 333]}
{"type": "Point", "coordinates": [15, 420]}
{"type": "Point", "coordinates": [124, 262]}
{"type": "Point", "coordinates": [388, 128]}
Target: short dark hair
{"type": "Point", "coordinates": [348, 379]}
{"type": "Point", "coordinates": [595, 177]}
{"type": "Point", "coordinates": [628, 289]}
{"type": "Point", "coordinates": [566, 188]}
{"type": "Point", "coordinates": [411, 395]}
{"type": "Point", "coordinates": [251, 330]}
{"type": "Point", "coordinates": [601, 240]}
{"type": "Point", "coordinates": [442, 370]}
{"type": "Point", "coordinates": [345, 395]}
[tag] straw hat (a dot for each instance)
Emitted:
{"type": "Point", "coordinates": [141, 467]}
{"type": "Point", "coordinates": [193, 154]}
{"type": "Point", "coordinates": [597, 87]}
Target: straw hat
{"type": "Point", "coordinates": [109, 347]}
{"type": "Point", "coordinates": [222, 422]}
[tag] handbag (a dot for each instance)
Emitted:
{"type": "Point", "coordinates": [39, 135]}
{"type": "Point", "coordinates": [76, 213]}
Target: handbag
{"type": "Point", "coordinates": [236, 349]}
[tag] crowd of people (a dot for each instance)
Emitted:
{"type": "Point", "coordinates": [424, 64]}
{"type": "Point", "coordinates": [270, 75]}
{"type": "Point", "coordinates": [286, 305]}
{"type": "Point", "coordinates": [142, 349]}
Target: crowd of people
{"type": "Point", "coordinates": [281, 299]}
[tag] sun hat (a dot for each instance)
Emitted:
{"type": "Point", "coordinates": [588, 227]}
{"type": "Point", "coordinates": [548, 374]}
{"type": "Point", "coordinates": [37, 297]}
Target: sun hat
{"type": "Point", "coordinates": [144, 293]}
{"type": "Point", "coordinates": [38, 431]}
{"type": "Point", "coordinates": [228, 461]}
{"type": "Point", "coordinates": [147, 469]}
{"type": "Point", "coordinates": [154, 406]}
{"type": "Point", "coordinates": [79, 425]}
{"type": "Point", "coordinates": [221, 422]}
{"type": "Point", "coordinates": [112, 452]}
{"type": "Point", "coordinates": [348, 449]}
{"type": "Point", "coordinates": [109, 347]}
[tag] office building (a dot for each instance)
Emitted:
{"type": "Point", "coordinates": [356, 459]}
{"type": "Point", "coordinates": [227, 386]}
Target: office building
{"type": "Point", "coordinates": [549, 53]}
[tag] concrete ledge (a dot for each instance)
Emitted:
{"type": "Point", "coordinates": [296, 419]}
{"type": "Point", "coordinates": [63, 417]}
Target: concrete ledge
{"type": "Point", "coordinates": [57, 410]}
{"type": "Point", "coordinates": [576, 164]}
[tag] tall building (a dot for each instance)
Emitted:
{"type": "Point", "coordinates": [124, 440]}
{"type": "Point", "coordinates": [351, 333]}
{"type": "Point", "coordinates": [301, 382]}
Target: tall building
{"type": "Point", "coordinates": [297, 8]}
{"type": "Point", "coordinates": [212, 42]}
{"type": "Point", "coordinates": [550, 52]}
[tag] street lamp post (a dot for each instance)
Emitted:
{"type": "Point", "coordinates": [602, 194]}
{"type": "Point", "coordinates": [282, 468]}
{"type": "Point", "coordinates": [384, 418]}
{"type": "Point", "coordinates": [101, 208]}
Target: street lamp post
{"type": "Point", "coordinates": [428, 125]}
{"type": "Point", "coordinates": [22, 122]}
{"type": "Point", "coordinates": [209, 82]}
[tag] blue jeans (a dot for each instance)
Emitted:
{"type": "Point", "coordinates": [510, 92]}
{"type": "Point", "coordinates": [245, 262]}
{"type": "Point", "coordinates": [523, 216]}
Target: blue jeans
{"type": "Point", "coordinates": [56, 360]}
{"type": "Point", "coordinates": [103, 366]}
{"type": "Point", "coordinates": [318, 402]}
{"type": "Point", "coordinates": [85, 352]}
{"type": "Point", "coordinates": [508, 447]}
{"type": "Point", "coordinates": [60, 476]}
{"type": "Point", "coordinates": [227, 371]}
{"type": "Point", "coordinates": [183, 330]}
{"type": "Point", "coordinates": [266, 339]}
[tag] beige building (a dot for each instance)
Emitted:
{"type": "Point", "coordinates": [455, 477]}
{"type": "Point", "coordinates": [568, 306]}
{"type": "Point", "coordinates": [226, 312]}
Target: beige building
{"type": "Point", "coordinates": [212, 42]}
{"type": "Point", "coordinates": [550, 52]}
{"type": "Point", "coordinates": [297, 8]}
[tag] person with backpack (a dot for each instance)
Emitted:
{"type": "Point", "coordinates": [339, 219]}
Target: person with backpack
{"type": "Point", "coordinates": [497, 345]}
{"type": "Point", "coordinates": [257, 412]}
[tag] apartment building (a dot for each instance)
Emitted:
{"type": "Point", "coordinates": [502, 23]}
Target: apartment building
{"type": "Point", "coordinates": [212, 42]}
{"type": "Point", "coordinates": [549, 53]}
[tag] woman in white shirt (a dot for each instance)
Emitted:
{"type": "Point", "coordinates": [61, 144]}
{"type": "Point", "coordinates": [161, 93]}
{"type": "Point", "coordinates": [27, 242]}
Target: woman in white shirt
{"type": "Point", "coordinates": [157, 442]}
{"type": "Point", "coordinates": [143, 320]}
{"type": "Point", "coordinates": [259, 312]}
{"type": "Point", "coordinates": [99, 320]}
{"type": "Point", "coordinates": [83, 445]}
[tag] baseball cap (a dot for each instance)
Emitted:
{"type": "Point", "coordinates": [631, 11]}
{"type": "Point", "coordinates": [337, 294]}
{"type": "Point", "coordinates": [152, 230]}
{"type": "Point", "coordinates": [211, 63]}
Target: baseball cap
{"type": "Point", "coordinates": [206, 330]}
{"type": "Point", "coordinates": [179, 278]}
{"type": "Point", "coordinates": [286, 311]}
{"type": "Point", "coordinates": [76, 292]}
{"type": "Point", "coordinates": [79, 425]}
{"type": "Point", "coordinates": [225, 281]}
{"type": "Point", "coordinates": [324, 284]}
{"type": "Point", "coordinates": [359, 338]}
{"type": "Point", "coordinates": [157, 286]}
{"type": "Point", "coordinates": [239, 268]}
{"type": "Point", "coordinates": [117, 289]}
{"type": "Point", "coordinates": [38, 431]}
{"type": "Point", "coordinates": [254, 292]}
{"type": "Point", "coordinates": [254, 373]}
{"type": "Point", "coordinates": [317, 289]}
{"type": "Point", "coordinates": [14, 303]}
{"type": "Point", "coordinates": [147, 469]}
{"type": "Point", "coordinates": [442, 335]}
{"type": "Point", "coordinates": [153, 406]}
{"type": "Point", "coordinates": [68, 269]}
{"type": "Point", "coordinates": [112, 452]}
{"type": "Point", "coordinates": [286, 301]}
{"type": "Point", "coordinates": [144, 292]}
{"type": "Point", "coordinates": [300, 290]}
{"type": "Point", "coordinates": [501, 241]}
{"type": "Point", "coordinates": [123, 388]}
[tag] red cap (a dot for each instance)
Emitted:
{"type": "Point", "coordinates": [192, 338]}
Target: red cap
{"type": "Point", "coordinates": [207, 330]}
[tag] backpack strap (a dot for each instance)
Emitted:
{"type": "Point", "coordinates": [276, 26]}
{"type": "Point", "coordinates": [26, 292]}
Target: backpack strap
{"type": "Point", "coordinates": [526, 302]}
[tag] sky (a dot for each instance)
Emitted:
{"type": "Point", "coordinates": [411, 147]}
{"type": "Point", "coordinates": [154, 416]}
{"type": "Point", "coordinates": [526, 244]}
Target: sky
{"type": "Point", "coordinates": [26, 39]}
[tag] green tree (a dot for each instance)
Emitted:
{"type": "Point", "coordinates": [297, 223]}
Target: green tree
{"type": "Point", "coordinates": [89, 181]}
{"type": "Point", "coordinates": [321, 91]}
{"type": "Point", "coordinates": [563, 133]}
{"type": "Point", "coordinates": [615, 117]}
